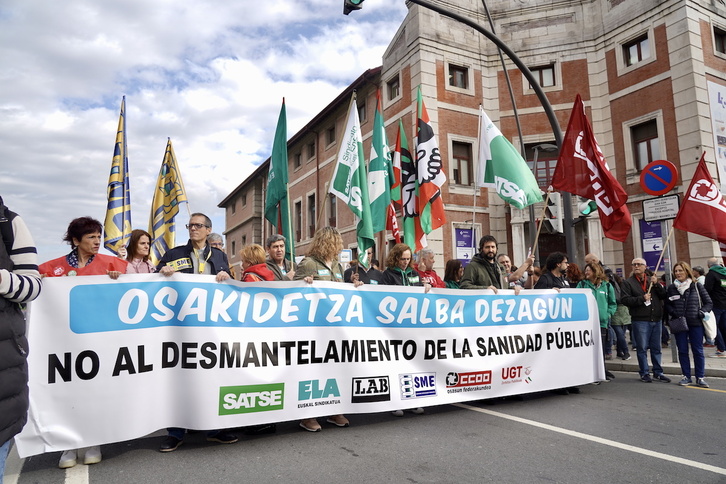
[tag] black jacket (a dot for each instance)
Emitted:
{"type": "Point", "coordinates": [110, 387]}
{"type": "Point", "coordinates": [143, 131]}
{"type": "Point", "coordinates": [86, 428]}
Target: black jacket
{"type": "Point", "coordinates": [715, 284]}
{"type": "Point", "coordinates": [549, 281]}
{"type": "Point", "coordinates": [633, 296]}
{"type": "Point", "coordinates": [180, 259]}
{"type": "Point", "coordinates": [395, 277]}
{"type": "Point", "coordinates": [688, 304]}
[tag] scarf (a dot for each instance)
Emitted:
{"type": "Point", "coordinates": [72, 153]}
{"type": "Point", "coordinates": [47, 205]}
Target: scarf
{"type": "Point", "coordinates": [682, 286]}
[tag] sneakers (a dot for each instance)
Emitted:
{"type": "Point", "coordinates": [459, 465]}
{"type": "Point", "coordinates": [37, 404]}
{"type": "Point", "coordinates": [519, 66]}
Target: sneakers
{"type": "Point", "coordinates": [609, 356]}
{"type": "Point", "coordinates": [573, 390]}
{"type": "Point", "coordinates": [685, 381]}
{"type": "Point", "coordinates": [609, 376]}
{"type": "Point", "coordinates": [662, 378]}
{"type": "Point", "coordinates": [701, 382]}
{"type": "Point", "coordinates": [261, 429]}
{"type": "Point", "coordinates": [170, 444]}
{"type": "Point", "coordinates": [222, 437]}
{"type": "Point", "coordinates": [68, 459]}
{"type": "Point", "coordinates": [646, 378]}
{"type": "Point", "coordinates": [720, 354]}
{"type": "Point", "coordinates": [626, 357]}
{"type": "Point", "coordinates": [397, 413]}
{"type": "Point", "coordinates": [93, 455]}
{"type": "Point", "coordinates": [417, 410]}
{"type": "Point", "coordinates": [338, 420]}
{"type": "Point", "coordinates": [311, 425]}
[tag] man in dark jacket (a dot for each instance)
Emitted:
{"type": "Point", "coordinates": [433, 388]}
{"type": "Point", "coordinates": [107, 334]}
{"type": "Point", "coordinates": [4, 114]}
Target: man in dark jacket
{"type": "Point", "coordinates": [283, 269]}
{"type": "Point", "coordinates": [554, 277]}
{"type": "Point", "coordinates": [483, 272]}
{"type": "Point", "coordinates": [19, 284]}
{"type": "Point", "coordinates": [716, 287]}
{"type": "Point", "coordinates": [644, 298]}
{"type": "Point", "coordinates": [196, 257]}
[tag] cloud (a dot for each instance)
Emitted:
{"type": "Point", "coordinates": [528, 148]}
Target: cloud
{"type": "Point", "coordinates": [210, 75]}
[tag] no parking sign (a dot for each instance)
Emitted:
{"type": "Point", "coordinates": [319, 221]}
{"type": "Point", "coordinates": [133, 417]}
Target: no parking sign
{"type": "Point", "coordinates": [658, 177]}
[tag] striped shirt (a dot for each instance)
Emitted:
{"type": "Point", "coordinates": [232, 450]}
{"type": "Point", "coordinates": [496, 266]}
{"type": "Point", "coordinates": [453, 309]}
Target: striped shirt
{"type": "Point", "coordinates": [23, 283]}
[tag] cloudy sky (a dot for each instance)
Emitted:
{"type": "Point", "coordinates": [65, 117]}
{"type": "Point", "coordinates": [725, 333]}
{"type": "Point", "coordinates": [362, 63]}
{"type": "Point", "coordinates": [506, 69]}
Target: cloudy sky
{"type": "Point", "coordinates": [209, 74]}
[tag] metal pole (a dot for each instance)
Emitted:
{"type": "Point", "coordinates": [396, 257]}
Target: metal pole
{"type": "Point", "coordinates": [566, 197]}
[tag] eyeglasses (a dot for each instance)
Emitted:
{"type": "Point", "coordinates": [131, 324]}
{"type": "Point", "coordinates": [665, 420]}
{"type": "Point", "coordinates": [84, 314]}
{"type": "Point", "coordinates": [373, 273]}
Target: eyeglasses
{"type": "Point", "coordinates": [196, 226]}
{"type": "Point", "coordinates": [636, 264]}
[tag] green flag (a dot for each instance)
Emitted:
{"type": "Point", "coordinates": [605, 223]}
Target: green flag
{"type": "Point", "coordinates": [349, 181]}
{"type": "Point", "coordinates": [380, 171]}
{"type": "Point", "coordinates": [277, 201]}
{"type": "Point", "coordinates": [502, 167]}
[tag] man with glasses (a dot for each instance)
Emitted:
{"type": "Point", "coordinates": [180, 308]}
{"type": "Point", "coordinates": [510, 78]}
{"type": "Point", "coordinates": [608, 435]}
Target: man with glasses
{"type": "Point", "coordinates": [644, 298]}
{"type": "Point", "coordinates": [196, 257]}
{"type": "Point", "coordinates": [555, 275]}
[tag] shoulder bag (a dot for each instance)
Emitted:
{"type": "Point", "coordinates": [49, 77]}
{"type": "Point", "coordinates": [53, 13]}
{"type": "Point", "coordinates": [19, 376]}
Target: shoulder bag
{"type": "Point", "coordinates": [709, 320]}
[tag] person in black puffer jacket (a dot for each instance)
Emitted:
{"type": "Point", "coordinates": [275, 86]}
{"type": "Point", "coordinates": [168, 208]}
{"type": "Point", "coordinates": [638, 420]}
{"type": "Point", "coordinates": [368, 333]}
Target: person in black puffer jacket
{"type": "Point", "coordinates": [688, 298]}
{"type": "Point", "coordinates": [19, 283]}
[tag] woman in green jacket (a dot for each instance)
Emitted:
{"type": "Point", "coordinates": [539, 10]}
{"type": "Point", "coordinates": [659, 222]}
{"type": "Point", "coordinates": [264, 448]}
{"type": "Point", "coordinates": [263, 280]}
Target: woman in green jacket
{"type": "Point", "coordinates": [604, 293]}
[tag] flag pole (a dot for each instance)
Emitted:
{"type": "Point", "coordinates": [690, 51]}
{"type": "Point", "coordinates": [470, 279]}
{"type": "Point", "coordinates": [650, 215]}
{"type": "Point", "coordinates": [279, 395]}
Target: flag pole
{"type": "Point", "coordinates": [476, 187]}
{"type": "Point", "coordinates": [662, 252]}
{"type": "Point", "coordinates": [541, 221]}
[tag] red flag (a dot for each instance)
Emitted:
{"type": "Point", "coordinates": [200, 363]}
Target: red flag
{"type": "Point", "coordinates": [392, 223]}
{"type": "Point", "coordinates": [582, 170]}
{"type": "Point", "coordinates": [703, 210]}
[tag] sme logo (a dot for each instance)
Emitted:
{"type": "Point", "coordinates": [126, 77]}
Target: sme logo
{"type": "Point", "coordinates": [251, 398]}
{"type": "Point", "coordinates": [417, 385]}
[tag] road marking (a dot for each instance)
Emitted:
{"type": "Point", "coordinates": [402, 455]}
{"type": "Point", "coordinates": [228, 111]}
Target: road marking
{"type": "Point", "coordinates": [13, 466]}
{"type": "Point", "coordinates": [77, 474]}
{"type": "Point", "coordinates": [599, 440]}
{"type": "Point", "coordinates": [706, 389]}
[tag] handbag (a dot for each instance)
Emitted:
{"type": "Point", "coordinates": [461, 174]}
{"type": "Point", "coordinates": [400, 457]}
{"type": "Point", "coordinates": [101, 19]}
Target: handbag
{"type": "Point", "coordinates": [678, 325]}
{"type": "Point", "coordinates": [709, 320]}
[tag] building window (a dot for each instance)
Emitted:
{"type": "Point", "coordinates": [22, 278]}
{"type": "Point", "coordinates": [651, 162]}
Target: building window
{"type": "Point", "coordinates": [244, 240]}
{"type": "Point", "coordinates": [234, 247]}
{"type": "Point", "coordinates": [330, 135]}
{"type": "Point", "coordinates": [362, 116]}
{"type": "Point", "coordinates": [297, 160]}
{"type": "Point", "coordinates": [311, 150]}
{"type": "Point", "coordinates": [458, 76]}
{"type": "Point", "coordinates": [311, 215]}
{"type": "Point", "coordinates": [636, 50]}
{"type": "Point", "coordinates": [719, 37]}
{"type": "Point", "coordinates": [646, 146]}
{"type": "Point", "coordinates": [234, 207]}
{"type": "Point", "coordinates": [298, 221]}
{"type": "Point", "coordinates": [244, 199]}
{"type": "Point", "coordinates": [545, 75]}
{"type": "Point", "coordinates": [462, 166]}
{"type": "Point", "coordinates": [332, 210]}
{"type": "Point", "coordinates": [394, 88]}
{"type": "Point", "coordinates": [542, 160]}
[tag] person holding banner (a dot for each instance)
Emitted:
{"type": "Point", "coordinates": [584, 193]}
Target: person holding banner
{"type": "Point", "coordinates": [196, 257]}
{"type": "Point", "coordinates": [425, 268]}
{"type": "Point", "coordinates": [605, 297]}
{"type": "Point", "coordinates": [644, 298]}
{"type": "Point", "coordinates": [321, 264]}
{"type": "Point", "coordinates": [283, 269]}
{"type": "Point", "coordinates": [138, 253]}
{"type": "Point", "coordinates": [483, 272]}
{"type": "Point", "coordinates": [253, 264]}
{"type": "Point", "coordinates": [359, 272]}
{"type": "Point", "coordinates": [453, 272]}
{"type": "Point", "coordinates": [84, 236]}
{"type": "Point", "coordinates": [19, 284]}
{"type": "Point", "coordinates": [689, 299]}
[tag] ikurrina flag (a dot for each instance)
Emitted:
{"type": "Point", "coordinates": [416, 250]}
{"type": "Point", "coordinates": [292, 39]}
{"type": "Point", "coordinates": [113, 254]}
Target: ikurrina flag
{"type": "Point", "coordinates": [502, 167]}
{"type": "Point", "coordinates": [582, 170]}
{"type": "Point", "coordinates": [117, 227]}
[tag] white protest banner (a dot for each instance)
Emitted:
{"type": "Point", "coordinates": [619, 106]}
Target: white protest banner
{"type": "Point", "coordinates": [116, 360]}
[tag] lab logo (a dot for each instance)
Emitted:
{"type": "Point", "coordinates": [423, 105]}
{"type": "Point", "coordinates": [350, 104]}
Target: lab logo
{"type": "Point", "coordinates": [370, 389]}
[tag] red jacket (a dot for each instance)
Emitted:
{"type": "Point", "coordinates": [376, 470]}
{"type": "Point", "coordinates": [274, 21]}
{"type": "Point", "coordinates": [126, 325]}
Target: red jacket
{"type": "Point", "coordinates": [257, 273]}
{"type": "Point", "coordinates": [431, 277]}
{"type": "Point", "coordinates": [99, 266]}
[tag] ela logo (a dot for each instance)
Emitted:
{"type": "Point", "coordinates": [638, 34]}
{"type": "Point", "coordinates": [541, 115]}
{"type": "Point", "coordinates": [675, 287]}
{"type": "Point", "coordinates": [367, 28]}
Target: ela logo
{"type": "Point", "coordinates": [312, 389]}
{"type": "Point", "coordinates": [417, 385]}
{"type": "Point", "coordinates": [371, 389]}
{"type": "Point", "coordinates": [251, 398]}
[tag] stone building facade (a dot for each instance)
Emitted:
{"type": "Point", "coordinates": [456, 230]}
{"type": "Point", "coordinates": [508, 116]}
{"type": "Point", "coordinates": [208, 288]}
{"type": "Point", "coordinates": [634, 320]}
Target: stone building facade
{"type": "Point", "coordinates": [642, 67]}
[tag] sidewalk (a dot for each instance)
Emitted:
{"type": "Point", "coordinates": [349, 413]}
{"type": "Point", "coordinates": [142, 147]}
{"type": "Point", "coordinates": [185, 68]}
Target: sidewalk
{"type": "Point", "coordinates": [715, 367]}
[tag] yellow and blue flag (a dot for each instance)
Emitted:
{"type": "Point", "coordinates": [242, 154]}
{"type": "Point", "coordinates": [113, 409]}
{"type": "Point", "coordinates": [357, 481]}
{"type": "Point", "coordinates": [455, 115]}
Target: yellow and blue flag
{"type": "Point", "coordinates": [168, 194]}
{"type": "Point", "coordinates": [117, 227]}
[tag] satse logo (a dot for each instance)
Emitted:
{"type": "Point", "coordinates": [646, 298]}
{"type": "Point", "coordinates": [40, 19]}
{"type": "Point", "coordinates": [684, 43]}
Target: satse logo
{"type": "Point", "coordinates": [251, 398]}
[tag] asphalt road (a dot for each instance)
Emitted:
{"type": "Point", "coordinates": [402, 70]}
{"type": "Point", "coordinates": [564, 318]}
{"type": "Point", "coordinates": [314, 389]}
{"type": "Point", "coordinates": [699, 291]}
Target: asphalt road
{"type": "Point", "coordinates": [624, 431]}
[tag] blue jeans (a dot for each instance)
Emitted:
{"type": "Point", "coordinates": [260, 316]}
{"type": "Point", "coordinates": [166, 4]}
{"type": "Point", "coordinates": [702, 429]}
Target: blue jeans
{"type": "Point", "coordinates": [622, 344]}
{"type": "Point", "coordinates": [647, 337]}
{"type": "Point", "coordinates": [694, 335]}
{"type": "Point", "coordinates": [721, 326]}
{"type": "Point", "coordinates": [4, 449]}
